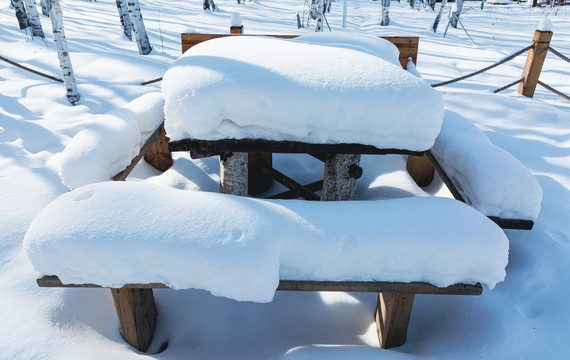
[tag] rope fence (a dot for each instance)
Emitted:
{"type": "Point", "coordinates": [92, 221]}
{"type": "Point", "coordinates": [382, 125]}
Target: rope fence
{"type": "Point", "coordinates": [30, 69]}
{"type": "Point", "coordinates": [562, 95]}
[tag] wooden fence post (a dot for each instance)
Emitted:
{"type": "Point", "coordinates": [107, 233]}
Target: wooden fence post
{"type": "Point", "coordinates": [534, 62]}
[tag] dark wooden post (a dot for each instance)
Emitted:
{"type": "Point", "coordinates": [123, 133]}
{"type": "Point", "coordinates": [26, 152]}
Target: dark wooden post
{"type": "Point", "coordinates": [158, 155]}
{"type": "Point", "coordinates": [137, 315]}
{"type": "Point", "coordinates": [236, 29]}
{"type": "Point", "coordinates": [341, 174]}
{"type": "Point", "coordinates": [233, 173]}
{"type": "Point", "coordinates": [393, 312]}
{"type": "Point", "coordinates": [534, 62]}
{"type": "Point", "coordinates": [420, 169]}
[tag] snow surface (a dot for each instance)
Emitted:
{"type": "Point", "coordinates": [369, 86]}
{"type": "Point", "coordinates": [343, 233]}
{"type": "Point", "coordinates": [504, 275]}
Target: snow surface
{"type": "Point", "coordinates": [108, 144]}
{"type": "Point", "coordinates": [545, 25]}
{"type": "Point", "coordinates": [319, 88]}
{"type": "Point", "coordinates": [116, 233]}
{"type": "Point", "coordinates": [524, 317]}
{"type": "Point", "coordinates": [489, 178]}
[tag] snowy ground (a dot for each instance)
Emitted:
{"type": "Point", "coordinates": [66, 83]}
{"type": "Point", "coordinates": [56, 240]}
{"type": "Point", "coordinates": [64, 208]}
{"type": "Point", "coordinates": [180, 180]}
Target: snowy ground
{"type": "Point", "coordinates": [524, 317]}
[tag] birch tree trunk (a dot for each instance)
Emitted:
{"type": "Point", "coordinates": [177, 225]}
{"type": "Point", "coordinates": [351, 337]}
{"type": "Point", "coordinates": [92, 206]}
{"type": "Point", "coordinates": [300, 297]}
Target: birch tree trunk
{"type": "Point", "coordinates": [34, 18]}
{"type": "Point", "coordinates": [21, 15]}
{"type": "Point", "coordinates": [482, 4]}
{"type": "Point", "coordinates": [125, 19]}
{"type": "Point", "coordinates": [45, 11]}
{"type": "Point", "coordinates": [320, 10]}
{"type": "Point", "coordinates": [138, 26]}
{"type": "Point", "coordinates": [62, 53]}
{"type": "Point", "coordinates": [438, 17]}
{"type": "Point", "coordinates": [455, 14]}
{"type": "Point", "coordinates": [385, 13]}
{"type": "Point", "coordinates": [432, 4]}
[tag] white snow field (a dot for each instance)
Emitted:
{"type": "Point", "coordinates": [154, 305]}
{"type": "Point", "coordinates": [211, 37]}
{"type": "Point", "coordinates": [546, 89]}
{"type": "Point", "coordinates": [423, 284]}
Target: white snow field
{"type": "Point", "coordinates": [523, 317]}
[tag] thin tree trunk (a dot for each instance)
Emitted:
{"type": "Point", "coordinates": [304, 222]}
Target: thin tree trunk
{"type": "Point", "coordinates": [138, 26]}
{"type": "Point", "coordinates": [21, 15]}
{"type": "Point", "coordinates": [62, 53]}
{"type": "Point", "coordinates": [412, 3]}
{"type": "Point", "coordinates": [125, 19]}
{"type": "Point", "coordinates": [45, 11]}
{"type": "Point", "coordinates": [438, 17]}
{"type": "Point", "coordinates": [320, 11]}
{"type": "Point", "coordinates": [482, 4]}
{"type": "Point", "coordinates": [209, 4]}
{"type": "Point", "coordinates": [385, 13]}
{"type": "Point", "coordinates": [455, 15]}
{"type": "Point", "coordinates": [34, 18]}
{"type": "Point", "coordinates": [432, 4]}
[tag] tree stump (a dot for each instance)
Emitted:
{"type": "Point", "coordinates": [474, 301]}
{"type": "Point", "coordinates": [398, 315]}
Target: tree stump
{"type": "Point", "coordinates": [233, 173]}
{"type": "Point", "coordinates": [341, 174]}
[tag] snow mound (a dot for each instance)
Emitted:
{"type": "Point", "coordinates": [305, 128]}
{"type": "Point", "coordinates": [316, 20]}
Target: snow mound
{"type": "Point", "coordinates": [317, 88]}
{"type": "Point", "coordinates": [116, 233]}
{"type": "Point", "coordinates": [107, 146]}
{"type": "Point", "coordinates": [488, 177]}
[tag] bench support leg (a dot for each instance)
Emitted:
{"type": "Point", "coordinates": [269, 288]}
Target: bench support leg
{"type": "Point", "coordinates": [158, 154]}
{"type": "Point", "coordinates": [392, 318]}
{"type": "Point", "coordinates": [341, 174]}
{"type": "Point", "coordinates": [233, 173]}
{"type": "Point", "coordinates": [420, 169]}
{"type": "Point", "coordinates": [137, 315]}
{"type": "Point", "coordinates": [259, 182]}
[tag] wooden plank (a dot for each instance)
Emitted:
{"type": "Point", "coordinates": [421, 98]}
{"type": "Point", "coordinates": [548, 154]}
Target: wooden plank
{"type": "Point", "coordinates": [303, 285]}
{"type": "Point", "coordinates": [420, 169]}
{"type": "Point", "coordinates": [446, 179]}
{"type": "Point", "coordinates": [534, 62]}
{"type": "Point", "coordinates": [144, 149]}
{"type": "Point", "coordinates": [158, 155]}
{"type": "Point", "coordinates": [516, 224]}
{"type": "Point", "coordinates": [136, 312]}
{"type": "Point", "coordinates": [408, 45]}
{"type": "Point", "coordinates": [339, 184]}
{"type": "Point", "coordinates": [393, 312]}
{"type": "Point", "coordinates": [258, 181]}
{"type": "Point", "coordinates": [233, 173]}
{"type": "Point", "coordinates": [293, 147]}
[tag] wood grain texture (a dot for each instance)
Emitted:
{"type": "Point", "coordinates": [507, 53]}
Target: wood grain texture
{"type": "Point", "coordinates": [136, 312]}
{"type": "Point", "coordinates": [144, 149]}
{"type": "Point", "coordinates": [534, 62]}
{"type": "Point", "coordinates": [393, 311]}
{"type": "Point", "coordinates": [420, 169]}
{"type": "Point", "coordinates": [158, 155]}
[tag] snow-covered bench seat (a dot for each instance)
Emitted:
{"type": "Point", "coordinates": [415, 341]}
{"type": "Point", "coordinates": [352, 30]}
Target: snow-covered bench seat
{"type": "Point", "coordinates": [236, 95]}
{"type": "Point", "coordinates": [116, 235]}
{"type": "Point", "coordinates": [109, 146]}
{"type": "Point", "coordinates": [485, 176]}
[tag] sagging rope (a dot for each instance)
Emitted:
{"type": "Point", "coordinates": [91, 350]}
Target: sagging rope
{"type": "Point", "coordinates": [547, 87]}
{"type": "Point", "coordinates": [151, 81]}
{"type": "Point", "coordinates": [508, 86]}
{"type": "Point", "coordinates": [30, 70]}
{"type": "Point", "coordinates": [559, 55]}
{"type": "Point", "coordinates": [522, 51]}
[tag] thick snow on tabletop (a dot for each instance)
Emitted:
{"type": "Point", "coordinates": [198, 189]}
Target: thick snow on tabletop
{"type": "Point", "coordinates": [489, 178]}
{"type": "Point", "coordinates": [116, 233]}
{"type": "Point", "coordinates": [317, 88]}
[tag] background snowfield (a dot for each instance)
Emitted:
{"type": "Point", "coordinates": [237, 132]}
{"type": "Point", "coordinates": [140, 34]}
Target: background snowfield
{"type": "Point", "coordinates": [525, 317]}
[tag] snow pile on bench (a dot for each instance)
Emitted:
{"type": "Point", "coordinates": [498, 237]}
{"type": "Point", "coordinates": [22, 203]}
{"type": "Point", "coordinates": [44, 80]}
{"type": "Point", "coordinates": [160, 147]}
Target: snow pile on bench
{"type": "Point", "coordinates": [108, 144]}
{"type": "Point", "coordinates": [116, 233]}
{"type": "Point", "coordinates": [318, 88]}
{"type": "Point", "coordinates": [489, 178]}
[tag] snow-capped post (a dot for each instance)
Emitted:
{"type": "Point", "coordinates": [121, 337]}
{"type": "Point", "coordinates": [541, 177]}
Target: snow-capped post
{"type": "Point", "coordinates": [21, 15]}
{"type": "Point", "coordinates": [138, 26]}
{"type": "Point", "coordinates": [45, 11]}
{"type": "Point", "coordinates": [62, 53]}
{"type": "Point", "coordinates": [458, 6]}
{"type": "Point", "coordinates": [438, 17]}
{"type": "Point", "coordinates": [320, 11]}
{"type": "Point", "coordinates": [385, 13]}
{"type": "Point", "coordinates": [125, 19]}
{"type": "Point", "coordinates": [535, 59]}
{"type": "Point", "coordinates": [34, 18]}
{"type": "Point", "coordinates": [236, 26]}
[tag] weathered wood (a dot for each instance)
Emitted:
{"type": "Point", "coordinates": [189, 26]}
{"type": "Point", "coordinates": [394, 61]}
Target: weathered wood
{"type": "Point", "coordinates": [534, 62]}
{"type": "Point", "coordinates": [158, 155]}
{"type": "Point", "coordinates": [313, 187]}
{"type": "Point", "coordinates": [258, 181]}
{"type": "Point", "coordinates": [293, 147]}
{"type": "Point", "coordinates": [233, 173]}
{"type": "Point", "coordinates": [144, 149]}
{"type": "Point", "coordinates": [517, 224]}
{"type": "Point", "coordinates": [136, 312]}
{"type": "Point", "coordinates": [296, 285]}
{"type": "Point", "coordinates": [393, 312]}
{"type": "Point", "coordinates": [408, 45]}
{"type": "Point", "coordinates": [236, 29]}
{"type": "Point", "coordinates": [340, 180]}
{"type": "Point", "coordinates": [289, 183]}
{"type": "Point", "coordinates": [420, 169]}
